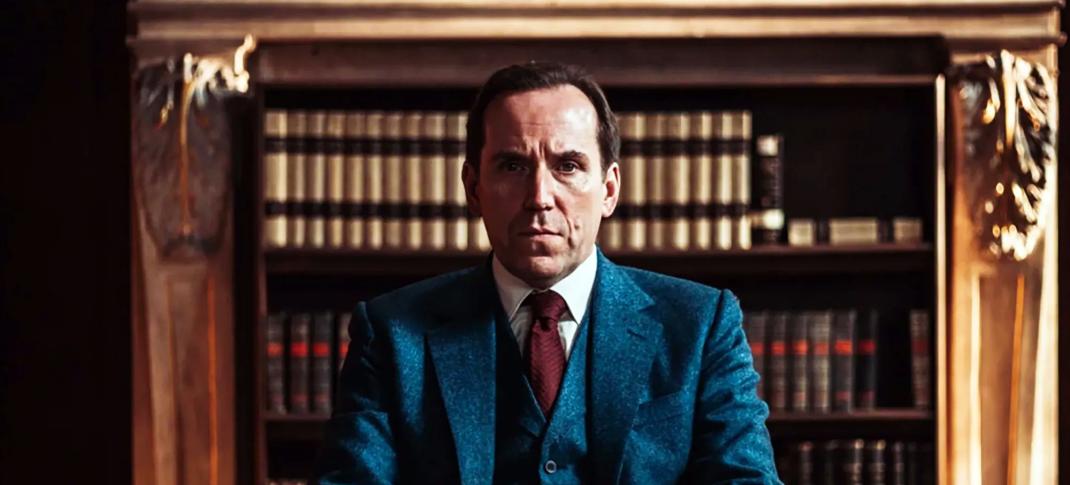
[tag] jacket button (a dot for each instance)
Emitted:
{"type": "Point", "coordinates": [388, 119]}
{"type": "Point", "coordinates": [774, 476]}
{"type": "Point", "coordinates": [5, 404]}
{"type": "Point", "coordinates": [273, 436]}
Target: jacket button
{"type": "Point", "coordinates": [550, 466]}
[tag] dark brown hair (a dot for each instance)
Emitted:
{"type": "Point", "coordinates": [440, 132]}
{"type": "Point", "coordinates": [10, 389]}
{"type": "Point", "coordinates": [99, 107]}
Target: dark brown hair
{"type": "Point", "coordinates": [533, 76]}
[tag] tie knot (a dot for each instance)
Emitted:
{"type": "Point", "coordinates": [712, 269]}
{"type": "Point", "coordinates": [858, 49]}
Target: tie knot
{"type": "Point", "coordinates": [547, 305]}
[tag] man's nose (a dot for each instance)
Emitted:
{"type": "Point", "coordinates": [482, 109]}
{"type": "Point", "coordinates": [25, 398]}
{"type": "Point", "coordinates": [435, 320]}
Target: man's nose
{"type": "Point", "coordinates": [540, 189]}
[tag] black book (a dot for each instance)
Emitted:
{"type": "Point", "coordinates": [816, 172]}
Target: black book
{"type": "Point", "coordinates": [851, 463]}
{"type": "Point", "coordinates": [921, 360]}
{"type": "Point", "coordinates": [322, 370]}
{"type": "Point", "coordinates": [778, 361]}
{"type": "Point", "coordinates": [274, 362]}
{"type": "Point", "coordinates": [342, 339]}
{"type": "Point", "coordinates": [299, 366]}
{"type": "Point", "coordinates": [768, 216]}
{"type": "Point", "coordinates": [897, 472]}
{"type": "Point", "coordinates": [875, 463]}
{"type": "Point", "coordinates": [913, 471]}
{"type": "Point", "coordinates": [800, 361]}
{"type": "Point", "coordinates": [820, 365]}
{"type": "Point", "coordinates": [843, 344]}
{"type": "Point", "coordinates": [866, 356]}
{"type": "Point", "coordinates": [829, 463]}
{"type": "Point", "coordinates": [804, 464]}
{"type": "Point", "coordinates": [754, 326]}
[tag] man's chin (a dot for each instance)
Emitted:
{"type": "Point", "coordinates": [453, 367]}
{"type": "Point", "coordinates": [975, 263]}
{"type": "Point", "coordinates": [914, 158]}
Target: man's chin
{"type": "Point", "coordinates": [537, 270]}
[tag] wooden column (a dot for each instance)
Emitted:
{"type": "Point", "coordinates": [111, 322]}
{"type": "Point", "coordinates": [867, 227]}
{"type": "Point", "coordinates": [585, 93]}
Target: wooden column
{"type": "Point", "coordinates": [183, 259]}
{"type": "Point", "coordinates": [1002, 332]}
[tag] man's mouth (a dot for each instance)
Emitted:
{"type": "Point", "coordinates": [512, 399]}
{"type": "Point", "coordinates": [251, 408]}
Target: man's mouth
{"type": "Point", "coordinates": [531, 232]}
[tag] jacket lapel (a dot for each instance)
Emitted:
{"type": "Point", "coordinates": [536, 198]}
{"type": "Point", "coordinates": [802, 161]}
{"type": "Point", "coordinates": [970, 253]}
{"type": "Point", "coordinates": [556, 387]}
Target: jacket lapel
{"type": "Point", "coordinates": [462, 351]}
{"type": "Point", "coordinates": [623, 341]}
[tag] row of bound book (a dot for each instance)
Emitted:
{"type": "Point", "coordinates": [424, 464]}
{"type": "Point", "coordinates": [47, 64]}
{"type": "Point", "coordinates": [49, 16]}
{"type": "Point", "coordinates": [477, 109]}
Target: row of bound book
{"type": "Point", "coordinates": [302, 354]}
{"type": "Point", "coordinates": [391, 180]}
{"type": "Point", "coordinates": [366, 180]}
{"type": "Point", "coordinates": [857, 462]}
{"type": "Point", "coordinates": [825, 361]}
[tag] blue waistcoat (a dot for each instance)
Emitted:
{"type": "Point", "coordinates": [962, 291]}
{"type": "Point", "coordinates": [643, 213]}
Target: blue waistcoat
{"type": "Point", "coordinates": [524, 441]}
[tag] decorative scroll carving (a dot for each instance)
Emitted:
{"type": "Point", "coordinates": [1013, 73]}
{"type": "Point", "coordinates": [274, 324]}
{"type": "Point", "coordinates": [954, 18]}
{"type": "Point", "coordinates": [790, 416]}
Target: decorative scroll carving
{"type": "Point", "coordinates": [182, 149]}
{"type": "Point", "coordinates": [1010, 123]}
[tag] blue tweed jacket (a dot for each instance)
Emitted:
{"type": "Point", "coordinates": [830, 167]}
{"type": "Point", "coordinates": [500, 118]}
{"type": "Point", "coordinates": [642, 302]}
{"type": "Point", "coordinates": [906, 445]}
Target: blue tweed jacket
{"type": "Point", "coordinates": [671, 395]}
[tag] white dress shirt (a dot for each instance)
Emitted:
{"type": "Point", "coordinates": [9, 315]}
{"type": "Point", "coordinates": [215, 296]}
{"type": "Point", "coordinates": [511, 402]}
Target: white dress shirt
{"type": "Point", "coordinates": [575, 289]}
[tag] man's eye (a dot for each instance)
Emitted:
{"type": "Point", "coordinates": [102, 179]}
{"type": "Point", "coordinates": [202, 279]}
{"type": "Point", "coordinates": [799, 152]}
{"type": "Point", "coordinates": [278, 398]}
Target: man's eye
{"type": "Point", "coordinates": [569, 166]}
{"type": "Point", "coordinates": [512, 167]}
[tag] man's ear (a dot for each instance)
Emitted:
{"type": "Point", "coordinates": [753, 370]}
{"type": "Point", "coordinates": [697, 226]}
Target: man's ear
{"type": "Point", "coordinates": [470, 177]}
{"type": "Point", "coordinates": [611, 185]}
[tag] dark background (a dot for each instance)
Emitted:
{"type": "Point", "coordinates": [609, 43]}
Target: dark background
{"type": "Point", "coordinates": [65, 251]}
{"type": "Point", "coordinates": [64, 243]}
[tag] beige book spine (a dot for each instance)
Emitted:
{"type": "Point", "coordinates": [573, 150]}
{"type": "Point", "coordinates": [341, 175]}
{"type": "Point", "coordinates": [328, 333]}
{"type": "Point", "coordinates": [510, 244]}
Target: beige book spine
{"type": "Point", "coordinates": [336, 177]}
{"type": "Point", "coordinates": [392, 180]}
{"type": "Point", "coordinates": [296, 131]}
{"type": "Point", "coordinates": [677, 187]}
{"type": "Point", "coordinates": [741, 186]}
{"type": "Point", "coordinates": [434, 179]}
{"type": "Point", "coordinates": [316, 180]}
{"type": "Point", "coordinates": [456, 219]}
{"type": "Point", "coordinates": [702, 179]}
{"type": "Point", "coordinates": [854, 230]}
{"type": "Point", "coordinates": [374, 180]}
{"type": "Point", "coordinates": [722, 188]}
{"type": "Point", "coordinates": [275, 193]}
{"type": "Point", "coordinates": [355, 202]}
{"type": "Point", "coordinates": [412, 176]}
{"type": "Point", "coordinates": [483, 241]}
{"type": "Point", "coordinates": [655, 169]}
{"type": "Point", "coordinates": [611, 231]}
{"type": "Point", "coordinates": [633, 180]}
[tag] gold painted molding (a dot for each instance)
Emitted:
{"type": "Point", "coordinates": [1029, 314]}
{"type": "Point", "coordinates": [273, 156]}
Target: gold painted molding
{"type": "Point", "coordinates": [1028, 22]}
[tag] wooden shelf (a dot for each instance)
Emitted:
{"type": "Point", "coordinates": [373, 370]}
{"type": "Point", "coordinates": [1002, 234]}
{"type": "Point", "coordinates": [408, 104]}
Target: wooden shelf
{"type": "Point", "coordinates": [880, 423]}
{"type": "Point", "coordinates": [873, 416]}
{"type": "Point", "coordinates": [766, 260]}
{"type": "Point", "coordinates": [896, 423]}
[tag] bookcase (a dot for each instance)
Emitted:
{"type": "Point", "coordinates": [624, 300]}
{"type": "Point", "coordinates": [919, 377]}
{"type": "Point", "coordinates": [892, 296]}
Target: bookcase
{"type": "Point", "coordinates": [857, 93]}
{"type": "Point", "coordinates": [862, 145]}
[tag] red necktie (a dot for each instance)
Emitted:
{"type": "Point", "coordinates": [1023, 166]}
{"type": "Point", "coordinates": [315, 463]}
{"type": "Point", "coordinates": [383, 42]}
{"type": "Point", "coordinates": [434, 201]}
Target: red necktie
{"type": "Point", "coordinates": [546, 356]}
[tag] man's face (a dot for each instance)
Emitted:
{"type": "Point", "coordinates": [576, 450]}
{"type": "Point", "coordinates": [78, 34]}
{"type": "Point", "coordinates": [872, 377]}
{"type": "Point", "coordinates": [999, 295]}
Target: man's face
{"type": "Point", "coordinates": [540, 188]}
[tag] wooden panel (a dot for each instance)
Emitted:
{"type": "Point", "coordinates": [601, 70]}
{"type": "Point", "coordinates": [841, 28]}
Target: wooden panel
{"type": "Point", "coordinates": [972, 21]}
{"type": "Point", "coordinates": [636, 62]}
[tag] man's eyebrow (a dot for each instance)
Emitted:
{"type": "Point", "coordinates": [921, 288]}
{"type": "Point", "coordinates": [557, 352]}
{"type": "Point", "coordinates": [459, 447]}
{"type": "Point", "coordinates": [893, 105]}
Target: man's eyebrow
{"type": "Point", "coordinates": [574, 154]}
{"type": "Point", "coordinates": [508, 154]}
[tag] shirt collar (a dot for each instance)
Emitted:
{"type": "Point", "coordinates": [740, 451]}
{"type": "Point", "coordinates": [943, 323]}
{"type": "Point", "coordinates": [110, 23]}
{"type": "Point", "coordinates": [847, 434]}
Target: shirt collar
{"type": "Point", "coordinates": [575, 288]}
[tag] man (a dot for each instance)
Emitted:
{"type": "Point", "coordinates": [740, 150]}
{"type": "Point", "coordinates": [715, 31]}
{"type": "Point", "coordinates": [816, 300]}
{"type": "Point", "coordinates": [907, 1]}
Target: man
{"type": "Point", "coordinates": [549, 363]}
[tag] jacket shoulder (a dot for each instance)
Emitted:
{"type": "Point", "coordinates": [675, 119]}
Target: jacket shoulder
{"type": "Point", "coordinates": [674, 292]}
{"type": "Point", "coordinates": [420, 299]}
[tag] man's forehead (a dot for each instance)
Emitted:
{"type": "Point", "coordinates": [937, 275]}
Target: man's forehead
{"type": "Point", "coordinates": [559, 105]}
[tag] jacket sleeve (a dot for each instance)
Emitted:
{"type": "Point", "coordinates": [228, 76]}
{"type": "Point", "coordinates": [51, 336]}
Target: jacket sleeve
{"type": "Point", "coordinates": [358, 443]}
{"type": "Point", "coordinates": [730, 441]}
